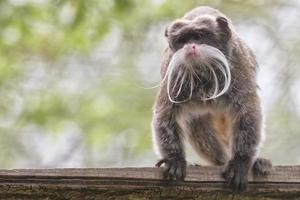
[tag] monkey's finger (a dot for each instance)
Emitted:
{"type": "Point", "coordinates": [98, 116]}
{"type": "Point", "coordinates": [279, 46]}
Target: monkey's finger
{"type": "Point", "coordinates": [229, 177]}
{"type": "Point", "coordinates": [230, 183]}
{"type": "Point", "coordinates": [166, 173]}
{"type": "Point", "coordinates": [235, 184]}
{"type": "Point", "coordinates": [238, 183]}
{"type": "Point", "coordinates": [242, 185]}
{"type": "Point", "coordinates": [180, 174]}
{"type": "Point", "coordinates": [228, 174]}
{"type": "Point", "coordinates": [160, 162]}
{"type": "Point", "coordinates": [177, 173]}
{"type": "Point", "coordinates": [172, 172]}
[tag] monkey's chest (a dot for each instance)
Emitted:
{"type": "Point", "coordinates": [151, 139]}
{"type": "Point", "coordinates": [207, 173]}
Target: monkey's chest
{"type": "Point", "coordinates": [205, 121]}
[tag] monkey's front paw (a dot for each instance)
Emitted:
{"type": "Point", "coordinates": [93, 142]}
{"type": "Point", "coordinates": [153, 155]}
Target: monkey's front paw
{"type": "Point", "coordinates": [236, 175]}
{"type": "Point", "coordinates": [175, 168]}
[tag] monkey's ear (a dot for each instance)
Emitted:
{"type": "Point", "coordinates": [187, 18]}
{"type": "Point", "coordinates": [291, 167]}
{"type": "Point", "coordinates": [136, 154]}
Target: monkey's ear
{"type": "Point", "coordinates": [177, 24]}
{"type": "Point", "coordinates": [224, 26]}
{"type": "Point", "coordinates": [222, 22]}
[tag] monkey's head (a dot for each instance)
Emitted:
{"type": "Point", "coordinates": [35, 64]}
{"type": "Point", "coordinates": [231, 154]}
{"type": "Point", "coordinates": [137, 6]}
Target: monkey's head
{"type": "Point", "coordinates": [199, 48]}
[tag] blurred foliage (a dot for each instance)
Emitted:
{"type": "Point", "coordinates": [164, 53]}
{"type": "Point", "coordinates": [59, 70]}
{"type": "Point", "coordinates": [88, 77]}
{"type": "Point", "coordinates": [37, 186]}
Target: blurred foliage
{"type": "Point", "coordinates": [76, 62]}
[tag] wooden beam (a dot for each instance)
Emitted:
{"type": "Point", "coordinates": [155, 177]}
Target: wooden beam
{"type": "Point", "coordinates": [142, 183]}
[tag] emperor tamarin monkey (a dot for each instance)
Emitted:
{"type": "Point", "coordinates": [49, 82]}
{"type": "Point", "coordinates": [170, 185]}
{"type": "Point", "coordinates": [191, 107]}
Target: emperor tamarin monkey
{"type": "Point", "coordinates": [208, 96]}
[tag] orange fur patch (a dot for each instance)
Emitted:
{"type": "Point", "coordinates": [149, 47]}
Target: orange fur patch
{"type": "Point", "coordinates": [221, 124]}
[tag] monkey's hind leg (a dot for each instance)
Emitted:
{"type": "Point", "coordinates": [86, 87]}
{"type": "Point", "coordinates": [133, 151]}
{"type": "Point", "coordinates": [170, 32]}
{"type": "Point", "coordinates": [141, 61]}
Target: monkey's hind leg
{"type": "Point", "coordinates": [262, 167]}
{"type": "Point", "coordinates": [203, 138]}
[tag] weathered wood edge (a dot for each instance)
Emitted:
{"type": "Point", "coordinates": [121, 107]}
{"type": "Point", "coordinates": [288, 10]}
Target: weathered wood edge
{"type": "Point", "coordinates": [142, 183]}
{"type": "Point", "coordinates": [279, 174]}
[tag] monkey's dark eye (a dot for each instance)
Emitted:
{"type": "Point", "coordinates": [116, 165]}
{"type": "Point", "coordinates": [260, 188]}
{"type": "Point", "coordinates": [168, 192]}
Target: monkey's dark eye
{"type": "Point", "coordinates": [181, 40]}
{"type": "Point", "coordinates": [203, 32]}
{"type": "Point", "coordinates": [191, 36]}
{"type": "Point", "coordinates": [196, 35]}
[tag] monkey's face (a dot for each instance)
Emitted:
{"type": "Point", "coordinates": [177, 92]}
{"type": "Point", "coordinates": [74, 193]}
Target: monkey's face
{"type": "Point", "coordinates": [199, 60]}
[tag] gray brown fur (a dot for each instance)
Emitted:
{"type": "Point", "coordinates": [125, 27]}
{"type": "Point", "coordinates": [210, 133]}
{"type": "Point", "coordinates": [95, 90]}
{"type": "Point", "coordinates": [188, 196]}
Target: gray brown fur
{"type": "Point", "coordinates": [226, 130]}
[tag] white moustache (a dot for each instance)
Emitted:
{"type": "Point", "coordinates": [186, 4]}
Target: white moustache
{"type": "Point", "coordinates": [209, 57]}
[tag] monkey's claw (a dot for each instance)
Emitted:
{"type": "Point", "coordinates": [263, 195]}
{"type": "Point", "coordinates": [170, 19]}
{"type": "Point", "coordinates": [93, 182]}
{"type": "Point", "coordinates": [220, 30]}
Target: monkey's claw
{"type": "Point", "coordinates": [236, 176]}
{"type": "Point", "coordinates": [174, 168]}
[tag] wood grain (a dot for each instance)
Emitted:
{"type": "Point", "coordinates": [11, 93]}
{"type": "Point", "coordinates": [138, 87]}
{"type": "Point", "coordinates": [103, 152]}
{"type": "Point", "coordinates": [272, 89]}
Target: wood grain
{"type": "Point", "coordinates": [142, 183]}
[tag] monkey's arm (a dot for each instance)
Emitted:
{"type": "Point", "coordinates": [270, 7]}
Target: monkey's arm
{"type": "Point", "coordinates": [167, 139]}
{"type": "Point", "coordinates": [246, 138]}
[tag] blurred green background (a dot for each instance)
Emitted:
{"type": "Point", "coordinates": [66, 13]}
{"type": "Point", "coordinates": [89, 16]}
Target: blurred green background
{"type": "Point", "coordinates": [73, 76]}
